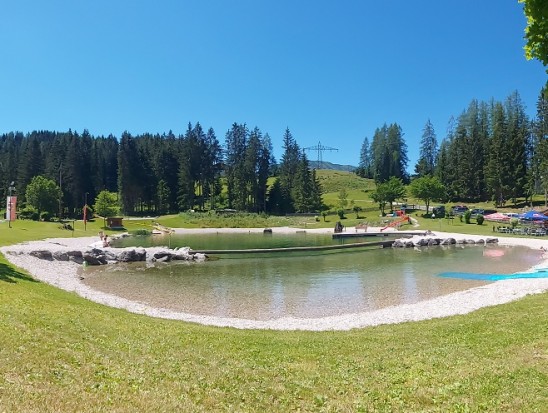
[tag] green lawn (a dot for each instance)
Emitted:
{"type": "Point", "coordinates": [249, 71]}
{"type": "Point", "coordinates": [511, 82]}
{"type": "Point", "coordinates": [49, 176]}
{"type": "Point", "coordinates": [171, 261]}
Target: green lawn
{"type": "Point", "coordinates": [26, 230]}
{"type": "Point", "coordinates": [62, 353]}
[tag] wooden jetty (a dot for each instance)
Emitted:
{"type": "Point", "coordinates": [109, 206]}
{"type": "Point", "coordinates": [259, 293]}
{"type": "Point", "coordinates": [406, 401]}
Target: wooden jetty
{"type": "Point", "coordinates": [379, 244]}
{"type": "Point", "coordinates": [399, 234]}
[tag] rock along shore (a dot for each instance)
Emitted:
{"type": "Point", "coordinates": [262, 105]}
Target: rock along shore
{"type": "Point", "coordinates": [95, 254]}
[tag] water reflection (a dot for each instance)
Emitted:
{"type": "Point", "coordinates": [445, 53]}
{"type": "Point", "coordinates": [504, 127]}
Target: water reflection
{"type": "Point", "coordinates": [306, 286]}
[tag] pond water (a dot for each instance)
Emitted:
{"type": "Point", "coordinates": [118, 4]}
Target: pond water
{"type": "Point", "coordinates": [229, 241]}
{"type": "Point", "coordinates": [307, 285]}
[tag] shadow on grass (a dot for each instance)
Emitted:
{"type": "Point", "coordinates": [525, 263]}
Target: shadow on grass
{"type": "Point", "coordinates": [11, 275]}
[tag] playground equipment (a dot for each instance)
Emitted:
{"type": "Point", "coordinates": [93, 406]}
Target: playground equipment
{"type": "Point", "coordinates": [397, 222]}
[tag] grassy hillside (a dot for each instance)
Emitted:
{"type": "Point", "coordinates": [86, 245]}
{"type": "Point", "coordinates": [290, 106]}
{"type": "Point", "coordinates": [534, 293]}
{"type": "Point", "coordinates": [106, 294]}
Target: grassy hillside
{"type": "Point", "coordinates": [334, 181]}
{"type": "Point", "coordinates": [357, 189]}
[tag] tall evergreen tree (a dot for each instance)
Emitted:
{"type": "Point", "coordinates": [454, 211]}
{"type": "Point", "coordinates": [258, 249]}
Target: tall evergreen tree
{"type": "Point", "coordinates": [212, 166]}
{"type": "Point", "coordinates": [288, 168]}
{"type": "Point", "coordinates": [264, 168]}
{"type": "Point", "coordinates": [428, 154]}
{"type": "Point", "coordinates": [497, 173]}
{"type": "Point", "coordinates": [236, 145]}
{"type": "Point", "coordinates": [397, 150]}
{"type": "Point", "coordinates": [31, 163]}
{"type": "Point", "coordinates": [303, 187]}
{"type": "Point", "coordinates": [518, 133]}
{"type": "Point", "coordinates": [540, 145]}
{"type": "Point", "coordinates": [364, 166]}
{"type": "Point", "coordinates": [189, 167]}
{"type": "Point", "coordinates": [129, 166]}
{"type": "Point", "coordinates": [380, 155]}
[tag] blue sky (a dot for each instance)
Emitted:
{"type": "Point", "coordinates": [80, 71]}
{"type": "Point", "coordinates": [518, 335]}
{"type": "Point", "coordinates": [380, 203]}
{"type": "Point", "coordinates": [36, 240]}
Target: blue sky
{"type": "Point", "coordinates": [330, 71]}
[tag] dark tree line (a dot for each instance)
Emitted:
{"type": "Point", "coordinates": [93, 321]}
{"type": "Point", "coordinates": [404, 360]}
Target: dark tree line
{"type": "Point", "coordinates": [78, 163]}
{"type": "Point", "coordinates": [492, 151]}
{"type": "Point", "coordinates": [386, 156]}
{"type": "Point", "coordinates": [495, 152]}
{"type": "Point", "coordinates": [153, 173]}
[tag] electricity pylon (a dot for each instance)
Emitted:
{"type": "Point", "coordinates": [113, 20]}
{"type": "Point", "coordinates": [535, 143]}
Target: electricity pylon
{"type": "Point", "coordinates": [320, 149]}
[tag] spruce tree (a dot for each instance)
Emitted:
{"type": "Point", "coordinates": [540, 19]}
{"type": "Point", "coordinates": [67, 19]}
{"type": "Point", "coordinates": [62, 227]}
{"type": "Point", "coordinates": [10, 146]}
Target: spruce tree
{"type": "Point", "coordinates": [428, 154]}
{"type": "Point", "coordinates": [364, 166]}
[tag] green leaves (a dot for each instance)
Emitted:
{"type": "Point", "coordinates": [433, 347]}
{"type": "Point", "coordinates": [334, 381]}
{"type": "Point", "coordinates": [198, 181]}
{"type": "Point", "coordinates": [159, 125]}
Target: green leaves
{"type": "Point", "coordinates": [536, 32]}
{"type": "Point", "coordinates": [43, 194]}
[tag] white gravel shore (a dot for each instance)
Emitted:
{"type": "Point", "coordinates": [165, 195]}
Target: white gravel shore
{"type": "Point", "coordinates": [64, 275]}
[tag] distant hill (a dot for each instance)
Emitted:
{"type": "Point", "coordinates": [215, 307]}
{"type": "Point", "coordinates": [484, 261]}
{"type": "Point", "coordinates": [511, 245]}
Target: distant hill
{"type": "Point", "coordinates": [334, 181]}
{"type": "Point", "coordinates": [331, 166]}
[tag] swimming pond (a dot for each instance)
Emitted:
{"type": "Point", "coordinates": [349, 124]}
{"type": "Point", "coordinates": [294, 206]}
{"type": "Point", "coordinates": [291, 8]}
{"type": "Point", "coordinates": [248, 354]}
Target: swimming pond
{"type": "Point", "coordinates": [308, 285]}
{"type": "Point", "coordinates": [251, 240]}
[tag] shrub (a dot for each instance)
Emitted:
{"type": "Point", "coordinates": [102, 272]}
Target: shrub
{"type": "Point", "coordinates": [467, 216]}
{"type": "Point", "coordinates": [141, 232]}
{"type": "Point", "coordinates": [480, 219]}
{"type": "Point", "coordinates": [45, 216]}
{"type": "Point", "coordinates": [29, 213]}
{"type": "Point", "coordinates": [340, 213]}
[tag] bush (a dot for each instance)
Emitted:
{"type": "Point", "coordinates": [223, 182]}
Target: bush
{"type": "Point", "coordinates": [467, 216]}
{"type": "Point", "coordinates": [45, 216]}
{"type": "Point", "coordinates": [141, 232]}
{"type": "Point", "coordinates": [480, 219]}
{"type": "Point", "coordinates": [340, 213]}
{"type": "Point", "coordinates": [29, 213]}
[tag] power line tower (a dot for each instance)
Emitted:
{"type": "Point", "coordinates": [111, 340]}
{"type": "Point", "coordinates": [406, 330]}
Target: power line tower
{"type": "Point", "coordinates": [320, 149]}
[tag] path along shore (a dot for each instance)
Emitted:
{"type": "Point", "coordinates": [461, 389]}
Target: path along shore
{"type": "Point", "coordinates": [65, 275]}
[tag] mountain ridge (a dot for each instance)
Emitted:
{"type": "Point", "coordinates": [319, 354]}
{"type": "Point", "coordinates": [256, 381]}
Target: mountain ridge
{"type": "Point", "coordinates": [332, 166]}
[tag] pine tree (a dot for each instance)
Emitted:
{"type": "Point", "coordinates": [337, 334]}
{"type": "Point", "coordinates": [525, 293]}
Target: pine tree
{"type": "Point", "coordinates": [380, 156]}
{"type": "Point", "coordinates": [289, 166]}
{"type": "Point", "coordinates": [364, 166]}
{"type": "Point", "coordinates": [397, 150]}
{"type": "Point", "coordinates": [212, 166]}
{"type": "Point", "coordinates": [303, 187]}
{"type": "Point", "coordinates": [236, 145]}
{"type": "Point", "coordinates": [499, 157]}
{"type": "Point", "coordinates": [518, 133]}
{"type": "Point", "coordinates": [129, 166]}
{"type": "Point", "coordinates": [428, 154]}
{"type": "Point", "coordinates": [540, 145]}
{"type": "Point", "coordinates": [31, 164]}
{"type": "Point", "coordinates": [264, 165]}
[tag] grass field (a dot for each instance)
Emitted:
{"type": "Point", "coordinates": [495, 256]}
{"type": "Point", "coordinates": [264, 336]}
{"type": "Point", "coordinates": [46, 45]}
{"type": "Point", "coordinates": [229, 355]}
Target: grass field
{"type": "Point", "coordinates": [62, 353]}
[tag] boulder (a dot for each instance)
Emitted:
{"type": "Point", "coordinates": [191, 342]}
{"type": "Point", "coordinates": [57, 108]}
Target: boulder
{"type": "Point", "coordinates": [75, 256]}
{"type": "Point", "coordinates": [60, 256]}
{"type": "Point", "coordinates": [132, 255]}
{"type": "Point", "coordinates": [95, 256]}
{"type": "Point", "coordinates": [186, 254]}
{"type": "Point", "coordinates": [162, 256]}
{"type": "Point", "coordinates": [448, 241]}
{"type": "Point", "coordinates": [42, 254]}
{"type": "Point", "coordinates": [398, 243]}
{"type": "Point", "coordinates": [166, 258]}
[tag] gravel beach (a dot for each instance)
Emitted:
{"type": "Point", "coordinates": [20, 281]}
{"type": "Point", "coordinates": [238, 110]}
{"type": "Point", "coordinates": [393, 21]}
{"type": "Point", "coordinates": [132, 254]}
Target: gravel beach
{"type": "Point", "coordinates": [65, 275]}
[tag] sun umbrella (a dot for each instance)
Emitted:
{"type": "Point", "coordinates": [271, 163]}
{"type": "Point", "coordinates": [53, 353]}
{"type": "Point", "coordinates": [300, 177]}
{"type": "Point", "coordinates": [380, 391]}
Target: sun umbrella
{"type": "Point", "coordinates": [497, 216]}
{"type": "Point", "coordinates": [533, 216]}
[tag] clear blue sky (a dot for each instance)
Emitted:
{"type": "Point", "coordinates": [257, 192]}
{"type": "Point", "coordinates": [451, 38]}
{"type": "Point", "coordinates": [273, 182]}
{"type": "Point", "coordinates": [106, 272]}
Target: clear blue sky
{"type": "Point", "coordinates": [331, 71]}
